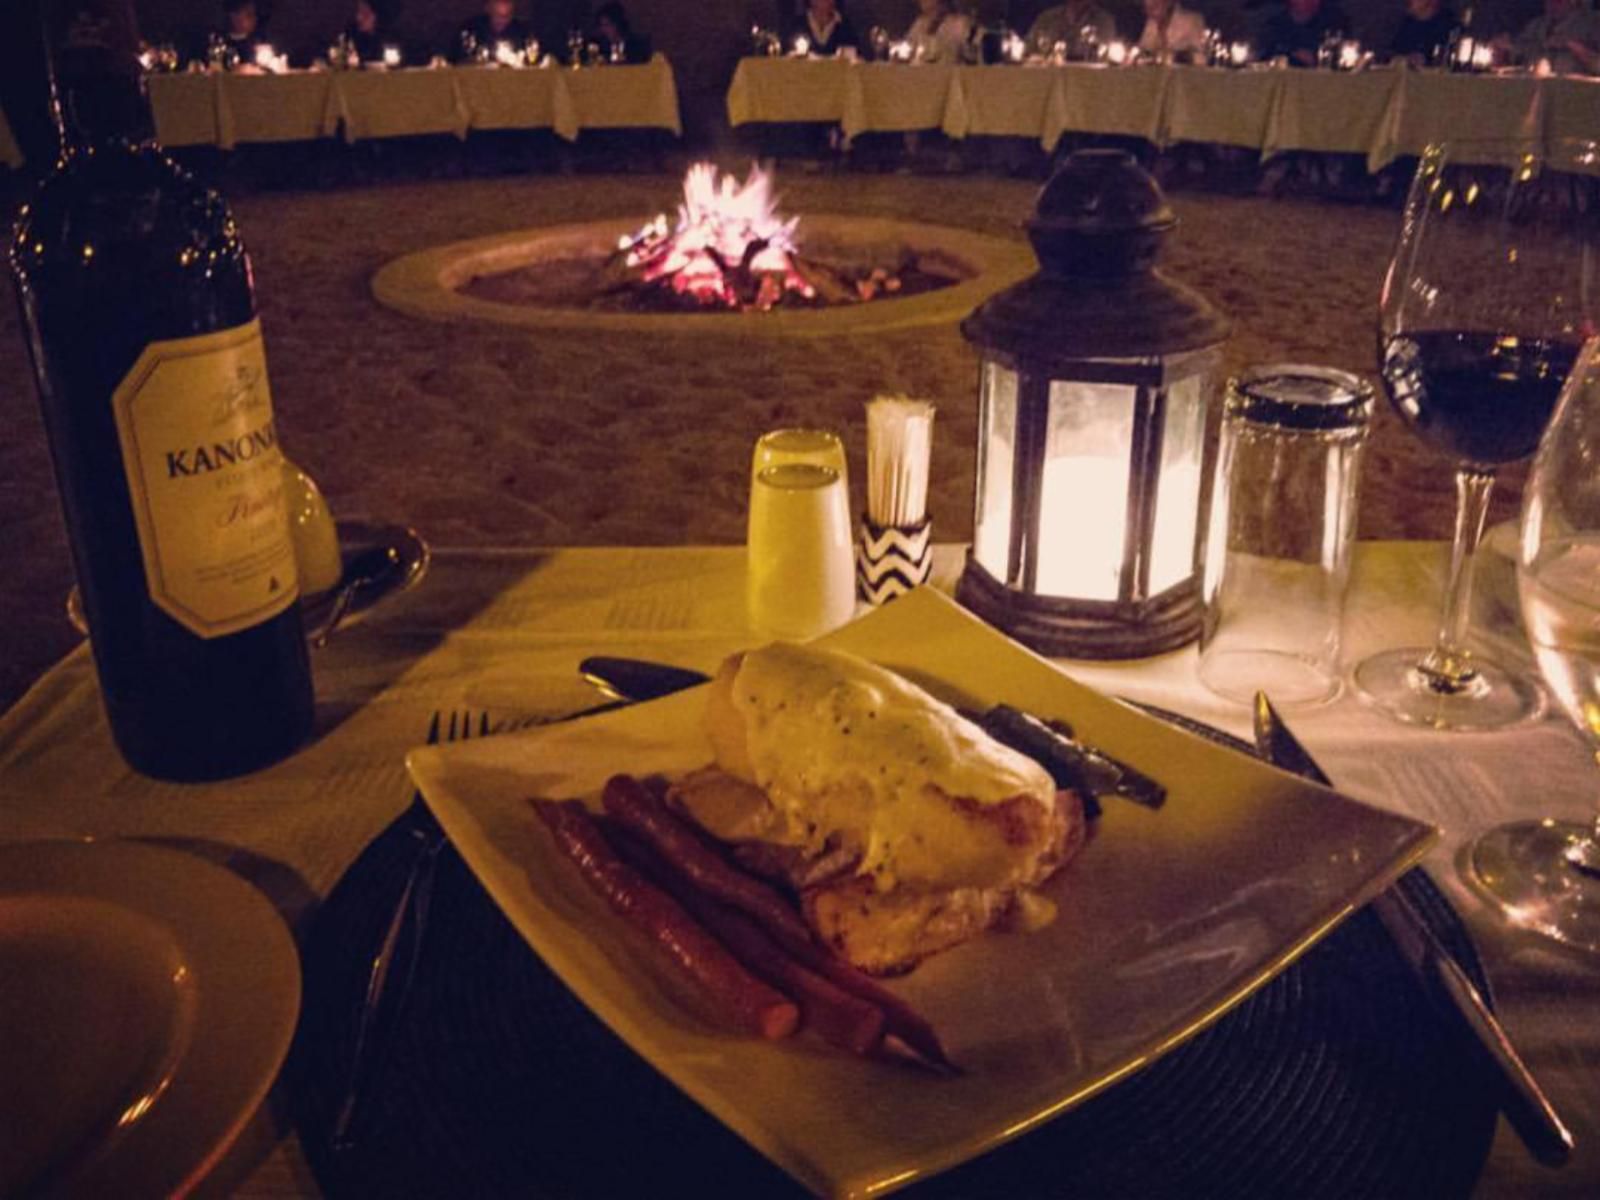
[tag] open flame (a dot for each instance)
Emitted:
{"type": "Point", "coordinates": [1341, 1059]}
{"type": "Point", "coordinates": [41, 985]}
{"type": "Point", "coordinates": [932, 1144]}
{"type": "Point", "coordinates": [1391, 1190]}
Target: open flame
{"type": "Point", "coordinates": [729, 247]}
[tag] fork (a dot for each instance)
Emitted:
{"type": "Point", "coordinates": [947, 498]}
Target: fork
{"type": "Point", "coordinates": [411, 907]}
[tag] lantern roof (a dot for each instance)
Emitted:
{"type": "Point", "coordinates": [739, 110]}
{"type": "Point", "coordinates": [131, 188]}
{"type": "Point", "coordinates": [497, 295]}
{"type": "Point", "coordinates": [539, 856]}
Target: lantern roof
{"type": "Point", "coordinates": [1097, 229]}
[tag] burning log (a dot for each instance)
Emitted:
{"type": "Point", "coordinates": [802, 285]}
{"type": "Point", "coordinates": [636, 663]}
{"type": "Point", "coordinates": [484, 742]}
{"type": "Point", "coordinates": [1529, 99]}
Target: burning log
{"type": "Point", "coordinates": [729, 249]}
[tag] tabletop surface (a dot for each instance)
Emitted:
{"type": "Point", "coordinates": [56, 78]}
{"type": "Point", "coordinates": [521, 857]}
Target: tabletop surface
{"type": "Point", "coordinates": [503, 631]}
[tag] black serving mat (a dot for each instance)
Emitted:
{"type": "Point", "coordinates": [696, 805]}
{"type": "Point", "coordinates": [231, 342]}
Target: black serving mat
{"type": "Point", "coordinates": [1336, 1079]}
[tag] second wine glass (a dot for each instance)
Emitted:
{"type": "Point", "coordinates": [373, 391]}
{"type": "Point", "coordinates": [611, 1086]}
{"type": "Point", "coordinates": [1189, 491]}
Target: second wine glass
{"type": "Point", "coordinates": [1484, 306]}
{"type": "Point", "coordinates": [1544, 874]}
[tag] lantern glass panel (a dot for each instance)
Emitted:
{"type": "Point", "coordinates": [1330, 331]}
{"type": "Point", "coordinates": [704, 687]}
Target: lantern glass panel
{"type": "Point", "coordinates": [1178, 496]}
{"type": "Point", "coordinates": [997, 440]}
{"type": "Point", "coordinates": [1083, 500]}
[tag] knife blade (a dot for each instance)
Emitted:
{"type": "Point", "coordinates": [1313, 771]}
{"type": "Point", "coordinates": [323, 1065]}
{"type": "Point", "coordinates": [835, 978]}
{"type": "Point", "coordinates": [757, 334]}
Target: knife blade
{"type": "Point", "coordinates": [1523, 1101]}
{"type": "Point", "coordinates": [637, 678]}
{"type": "Point", "coordinates": [1070, 762]}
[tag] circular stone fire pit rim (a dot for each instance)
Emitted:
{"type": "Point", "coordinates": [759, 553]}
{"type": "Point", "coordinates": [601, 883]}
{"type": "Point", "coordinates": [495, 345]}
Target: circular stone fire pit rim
{"type": "Point", "coordinates": [425, 284]}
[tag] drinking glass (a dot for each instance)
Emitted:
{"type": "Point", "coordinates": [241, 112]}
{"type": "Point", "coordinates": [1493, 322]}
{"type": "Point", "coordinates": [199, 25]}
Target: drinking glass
{"type": "Point", "coordinates": [1485, 303]}
{"type": "Point", "coordinates": [1545, 874]}
{"type": "Point", "coordinates": [800, 568]}
{"type": "Point", "coordinates": [819, 447]}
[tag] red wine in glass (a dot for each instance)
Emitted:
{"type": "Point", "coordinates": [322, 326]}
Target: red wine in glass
{"type": "Point", "coordinates": [1482, 398]}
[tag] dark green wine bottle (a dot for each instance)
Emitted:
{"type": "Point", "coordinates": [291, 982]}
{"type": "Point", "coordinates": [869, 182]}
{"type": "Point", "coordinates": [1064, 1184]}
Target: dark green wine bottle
{"type": "Point", "coordinates": [139, 310]}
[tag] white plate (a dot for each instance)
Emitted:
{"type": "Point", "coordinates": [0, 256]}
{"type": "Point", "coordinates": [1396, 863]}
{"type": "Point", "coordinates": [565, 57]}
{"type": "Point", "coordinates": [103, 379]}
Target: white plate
{"type": "Point", "coordinates": [1169, 918]}
{"type": "Point", "coordinates": [147, 998]}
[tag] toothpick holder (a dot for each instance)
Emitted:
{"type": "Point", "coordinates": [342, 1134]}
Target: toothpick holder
{"type": "Point", "coordinates": [892, 559]}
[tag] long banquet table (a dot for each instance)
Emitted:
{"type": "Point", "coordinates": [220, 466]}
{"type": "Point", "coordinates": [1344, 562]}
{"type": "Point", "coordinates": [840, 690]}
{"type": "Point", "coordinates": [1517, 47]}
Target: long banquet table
{"type": "Point", "coordinates": [1381, 113]}
{"type": "Point", "coordinates": [230, 109]}
{"type": "Point", "coordinates": [503, 630]}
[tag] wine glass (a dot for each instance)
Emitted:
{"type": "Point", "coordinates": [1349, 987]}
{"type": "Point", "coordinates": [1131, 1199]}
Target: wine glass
{"type": "Point", "coordinates": [1485, 303]}
{"type": "Point", "coordinates": [1545, 874]}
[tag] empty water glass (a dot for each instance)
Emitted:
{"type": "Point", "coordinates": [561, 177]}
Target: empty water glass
{"type": "Point", "coordinates": [1282, 528]}
{"type": "Point", "coordinates": [800, 565]}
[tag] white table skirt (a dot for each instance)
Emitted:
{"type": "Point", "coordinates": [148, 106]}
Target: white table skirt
{"type": "Point", "coordinates": [1380, 114]}
{"type": "Point", "coordinates": [230, 110]}
{"type": "Point", "coordinates": [504, 630]}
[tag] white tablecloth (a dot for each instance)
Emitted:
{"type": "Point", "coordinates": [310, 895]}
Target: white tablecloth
{"type": "Point", "coordinates": [229, 110]}
{"type": "Point", "coordinates": [1381, 114]}
{"type": "Point", "coordinates": [503, 631]}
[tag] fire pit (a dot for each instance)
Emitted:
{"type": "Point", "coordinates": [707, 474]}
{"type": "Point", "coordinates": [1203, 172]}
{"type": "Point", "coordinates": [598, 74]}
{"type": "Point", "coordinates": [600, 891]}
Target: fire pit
{"type": "Point", "coordinates": [728, 263]}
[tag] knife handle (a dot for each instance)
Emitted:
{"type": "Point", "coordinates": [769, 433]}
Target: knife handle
{"type": "Point", "coordinates": [1524, 1104]}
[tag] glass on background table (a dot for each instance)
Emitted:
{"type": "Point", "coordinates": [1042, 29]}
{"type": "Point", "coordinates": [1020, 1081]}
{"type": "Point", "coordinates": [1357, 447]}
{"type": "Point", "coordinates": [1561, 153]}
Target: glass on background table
{"type": "Point", "coordinates": [508, 627]}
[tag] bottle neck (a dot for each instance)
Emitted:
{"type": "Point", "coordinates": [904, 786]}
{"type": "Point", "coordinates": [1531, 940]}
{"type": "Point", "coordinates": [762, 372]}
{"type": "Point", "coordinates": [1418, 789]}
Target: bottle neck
{"type": "Point", "coordinates": [97, 81]}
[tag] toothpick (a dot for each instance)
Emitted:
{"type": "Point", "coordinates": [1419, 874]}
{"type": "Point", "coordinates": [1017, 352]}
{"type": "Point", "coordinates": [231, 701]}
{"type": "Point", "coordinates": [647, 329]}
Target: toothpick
{"type": "Point", "coordinates": [899, 449]}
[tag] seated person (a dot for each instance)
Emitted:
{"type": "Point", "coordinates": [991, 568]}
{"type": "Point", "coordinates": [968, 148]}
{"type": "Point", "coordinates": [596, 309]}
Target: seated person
{"type": "Point", "coordinates": [939, 33]}
{"type": "Point", "coordinates": [498, 22]}
{"type": "Point", "coordinates": [612, 29]}
{"type": "Point", "coordinates": [1425, 32]}
{"type": "Point", "coordinates": [1172, 31]}
{"type": "Point", "coordinates": [367, 32]}
{"type": "Point", "coordinates": [828, 29]}
{"type": "Point", "coordinates": [1566, 33]}
{"type": "Point", "coordinates": [1067, 23]}
{"type": "Point", "coordinates": [241, 32]}
{"type": "Point", "coordinates": [1296, 31]}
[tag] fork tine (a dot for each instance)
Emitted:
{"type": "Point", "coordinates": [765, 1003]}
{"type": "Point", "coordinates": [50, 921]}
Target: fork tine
{"type": "Point", "coordinates": [433, 728]}
{"type": "Point", "coordinates": [483, 723]}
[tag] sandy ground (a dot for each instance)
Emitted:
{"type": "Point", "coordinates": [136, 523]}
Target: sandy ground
{"type": "Point", "coordinates": [492, 436]}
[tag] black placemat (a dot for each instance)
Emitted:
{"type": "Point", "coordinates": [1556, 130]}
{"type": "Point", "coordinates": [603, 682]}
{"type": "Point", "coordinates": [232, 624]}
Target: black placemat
{"type": "Point", "coordinates": [1337, 1079]}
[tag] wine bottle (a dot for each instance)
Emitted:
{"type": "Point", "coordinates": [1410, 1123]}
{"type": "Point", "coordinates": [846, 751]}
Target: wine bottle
{"type": "Point", "coordinates": [139, 310]}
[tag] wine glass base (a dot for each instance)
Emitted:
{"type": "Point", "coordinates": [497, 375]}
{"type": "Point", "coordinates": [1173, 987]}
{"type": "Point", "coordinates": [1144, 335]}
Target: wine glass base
{"type": "Point", "coordinates": [1496, 698]}
{"type": "Point", "coordinates": [1523, 867]}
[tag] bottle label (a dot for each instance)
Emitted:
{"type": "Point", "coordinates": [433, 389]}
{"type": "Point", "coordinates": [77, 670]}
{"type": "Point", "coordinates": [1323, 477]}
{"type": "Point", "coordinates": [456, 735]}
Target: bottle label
{"type": "Point", "coordinates": [194, 417]}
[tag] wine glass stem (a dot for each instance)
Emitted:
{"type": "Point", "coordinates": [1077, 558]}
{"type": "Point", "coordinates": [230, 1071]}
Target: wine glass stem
{"type": "Point", "coordinates": [1447, 668]}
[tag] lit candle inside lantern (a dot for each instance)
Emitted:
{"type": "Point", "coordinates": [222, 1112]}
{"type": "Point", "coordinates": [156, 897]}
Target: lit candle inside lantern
{"type": "Point", "coordinates": [507, 55]}
{"type": "Point", "coordinates": [391, 56]}
{"type": "Point", "coordinates": [268, 59]}
{"type": "Point", "coordinates": [1015, 47]}
{"type": "Point", "coordinates": [1239, 53]}
{"type": "Point", "coordinates": [802, 46]}
{"type": "Point", "coordinates": [1080, 545]}
{"type": "Point", "coordinates": [901, 51]}
{"type": "Point", "coordinates": [1117, 52]}
{"type": "Point", "coordinates": [1349, 55]}
{"type": "Point", "coordinates": [1464, 49]}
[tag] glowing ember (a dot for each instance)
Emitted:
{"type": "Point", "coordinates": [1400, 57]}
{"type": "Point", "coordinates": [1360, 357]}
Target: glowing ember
{"type": "Point", "coordinates": [730, 248]}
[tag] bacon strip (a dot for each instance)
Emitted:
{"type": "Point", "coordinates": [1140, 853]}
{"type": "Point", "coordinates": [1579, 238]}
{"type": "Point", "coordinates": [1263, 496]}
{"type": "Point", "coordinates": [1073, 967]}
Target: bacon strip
{"type": "Point", "coordinates": [833, 1014]}
{"type": "Point", "coordinates": [644, 813]}
{"type": "Point", "coordinates": [640, 811]}
{"type": "Point", "coordinates": [744, 1002]}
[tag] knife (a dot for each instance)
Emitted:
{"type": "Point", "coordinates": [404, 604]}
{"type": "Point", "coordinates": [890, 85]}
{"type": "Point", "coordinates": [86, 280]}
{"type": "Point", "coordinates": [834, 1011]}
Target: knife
{"type": "Point", "coordinates": [1522, 1100]}
{"type": "Point", "coordinates": [1070, 763]}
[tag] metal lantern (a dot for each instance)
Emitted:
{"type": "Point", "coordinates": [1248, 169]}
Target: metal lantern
{"type": "Point", "coordinates": [1094, 466]}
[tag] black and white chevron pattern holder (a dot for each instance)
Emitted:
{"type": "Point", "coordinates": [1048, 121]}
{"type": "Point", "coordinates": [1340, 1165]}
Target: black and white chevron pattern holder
{"type": "Point", "coordinates": [892, 559]}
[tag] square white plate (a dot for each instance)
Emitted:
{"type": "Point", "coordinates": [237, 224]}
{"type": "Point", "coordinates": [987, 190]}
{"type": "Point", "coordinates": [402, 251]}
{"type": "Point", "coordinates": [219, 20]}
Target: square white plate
{"type": "Point", "coordinates": [1168, 917]}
